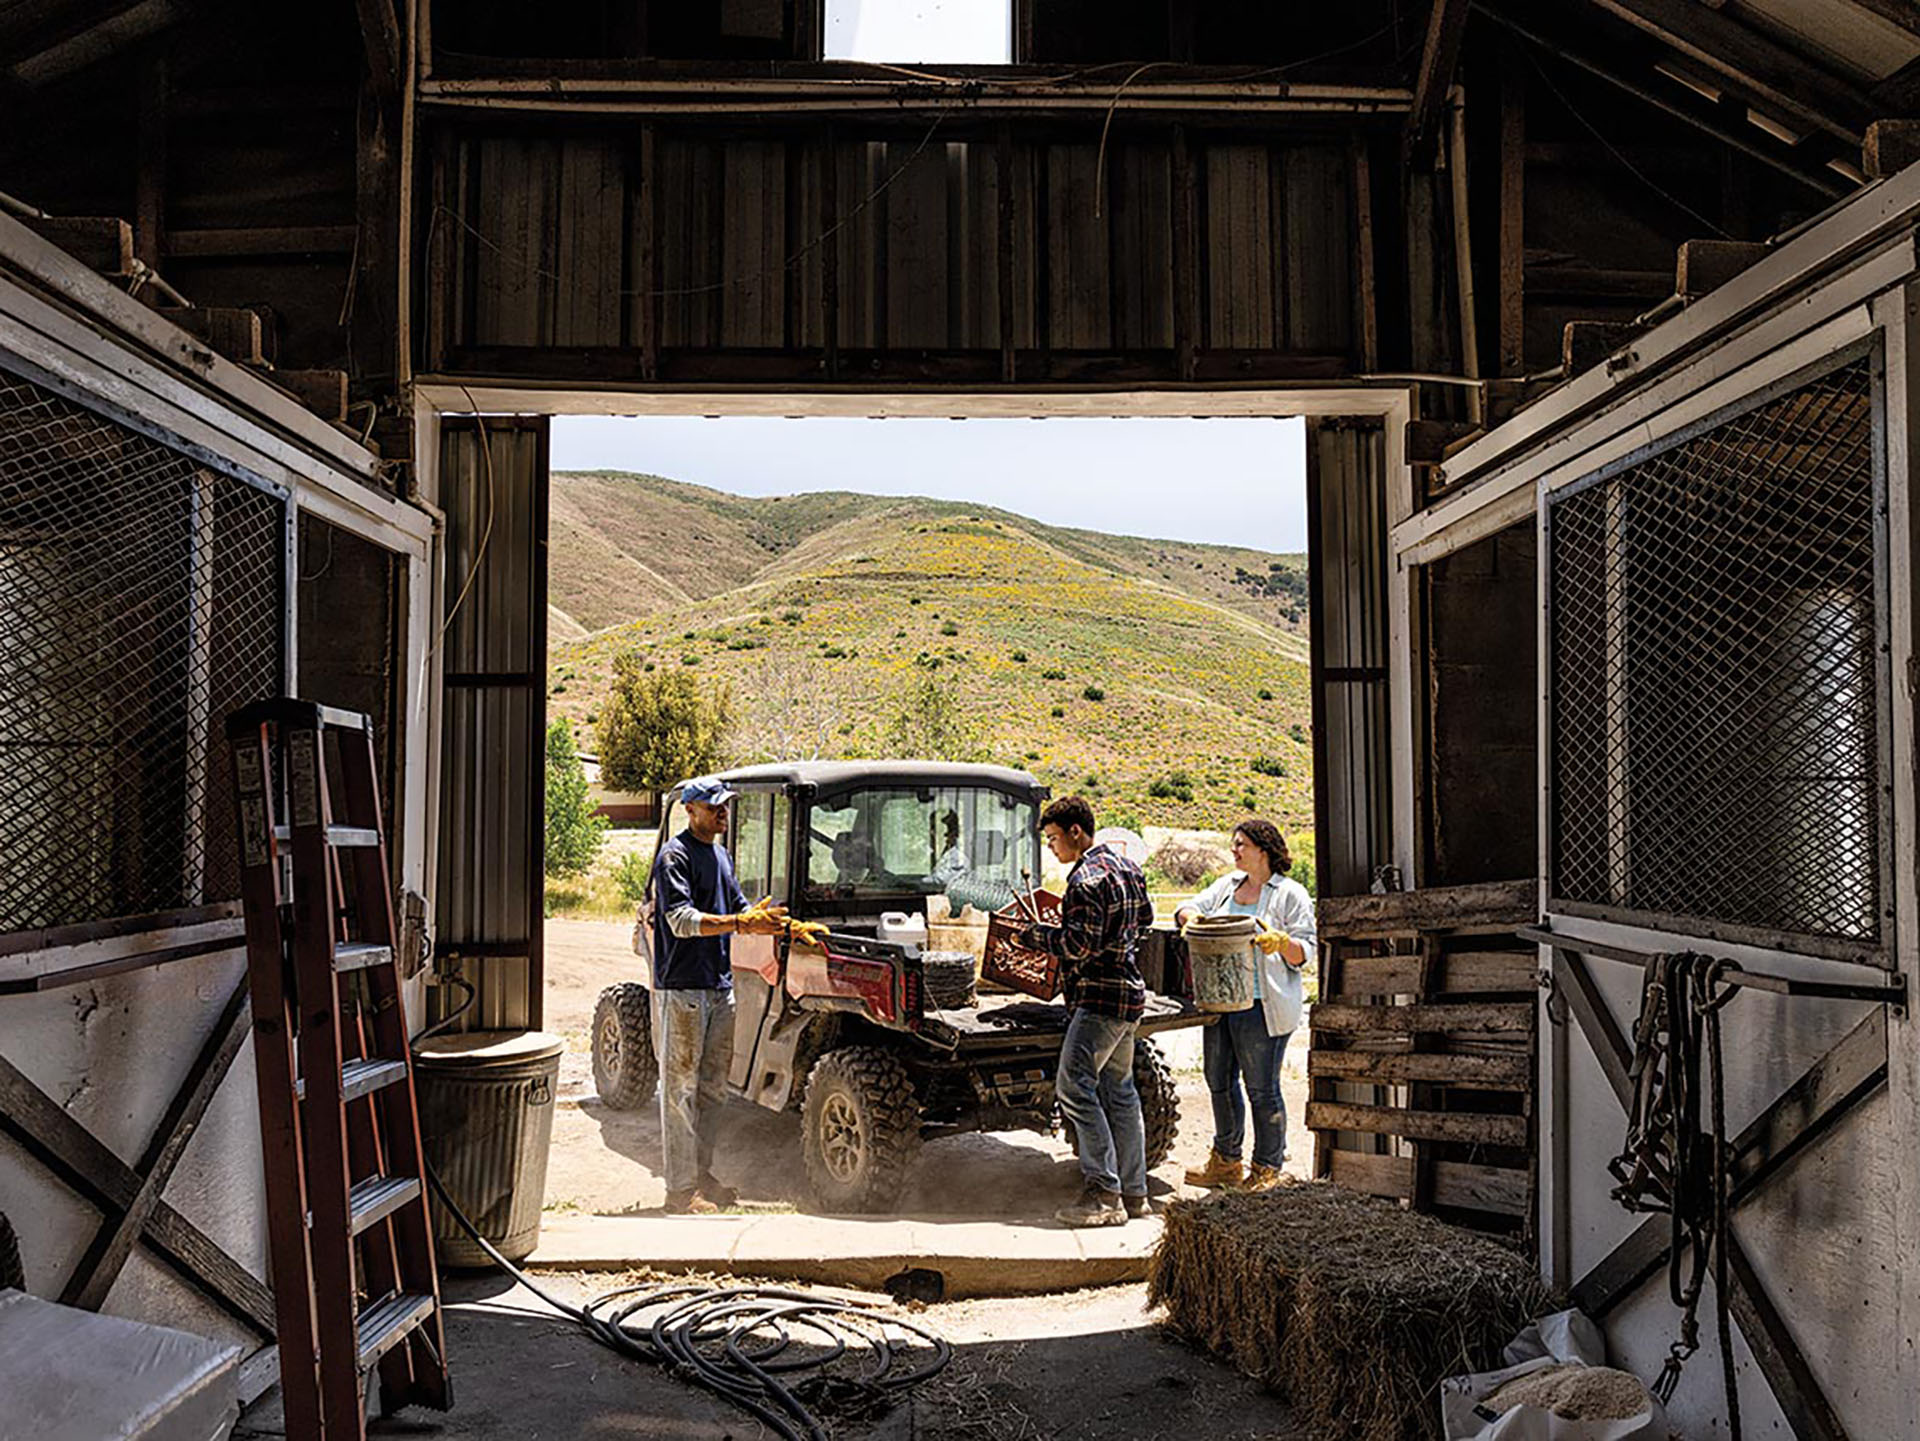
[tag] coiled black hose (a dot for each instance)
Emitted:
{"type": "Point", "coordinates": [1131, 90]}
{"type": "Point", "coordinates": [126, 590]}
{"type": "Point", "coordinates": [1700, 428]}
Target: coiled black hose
{"type": "Point", "coordinates": [705, 1334]}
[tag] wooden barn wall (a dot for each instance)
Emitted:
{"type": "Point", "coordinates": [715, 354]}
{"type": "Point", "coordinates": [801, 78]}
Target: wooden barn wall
{"type": "Point", "coordinates": [676, 253]}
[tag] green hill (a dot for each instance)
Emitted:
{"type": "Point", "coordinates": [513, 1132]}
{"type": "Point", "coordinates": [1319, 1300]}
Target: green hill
{"type": "Point", "coordinates": [821, 610]}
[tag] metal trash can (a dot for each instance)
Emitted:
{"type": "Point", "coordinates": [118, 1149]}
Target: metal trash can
{"type": "Point", "coordinates": [486, 1120]}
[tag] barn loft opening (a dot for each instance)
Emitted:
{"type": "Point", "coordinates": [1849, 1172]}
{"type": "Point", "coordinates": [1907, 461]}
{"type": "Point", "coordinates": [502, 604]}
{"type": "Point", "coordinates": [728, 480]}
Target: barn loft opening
{"type": "Point", "coordinates": [926, 32]}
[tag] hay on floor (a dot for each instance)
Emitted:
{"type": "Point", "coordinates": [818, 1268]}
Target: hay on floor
{"type": "Point", "coordinates": [1352, 1308]}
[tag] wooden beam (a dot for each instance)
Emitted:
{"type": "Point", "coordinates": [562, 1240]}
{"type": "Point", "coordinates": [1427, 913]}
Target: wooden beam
{"type": "Point", "coordinates": [113, 1244]}
{"type": "Point", "coordinates": [1795, 1386]}
{"type": "Point", "coordinates": [1765, 70]}
{"type": "Point", "coordinates": [1892, 145]}
{"type": "Point", "coordinates": [1589, 1008]}
{"type": "Point", "coordinates": [1500, 1017]}
{"type": "Point", "coordinates": [1462, 1126]}
{"type": "Point", "coordinates": [1526, 23]}
{"type": "Point", "coordinates": [1439, 57]}
{"type": "Point", "coordinates": [380, 37]}
{"type": "Point", "coordinates": [150, 170]}
{"type": "Point", "coordinates": [1513, 189]}
{"type": "Point", "coordinates": [104, 1181]}
{"type": "Point", "coordinates": [1433, 908]}
{"type": "Point", "coordinates": [235, 241]}
{"type": "Point", "coordinates": [1499, 1190]}
{"type": "Point", "coordinates": [1898, 12]}
{"type": "Point", "coordinates": [1494, 1073]}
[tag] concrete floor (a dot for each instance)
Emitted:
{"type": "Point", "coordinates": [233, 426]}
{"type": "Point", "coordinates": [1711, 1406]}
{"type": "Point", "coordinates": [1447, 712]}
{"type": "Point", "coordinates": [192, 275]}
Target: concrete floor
{"type": "Point", "coordinates": [1086, 1366]}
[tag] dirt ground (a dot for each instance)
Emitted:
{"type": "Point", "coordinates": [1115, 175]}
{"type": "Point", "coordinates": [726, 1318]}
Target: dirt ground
{"type": "Point", "coordinates": [606, 1162]}
{"type": "Point", "coordinates": [1084, 1366]}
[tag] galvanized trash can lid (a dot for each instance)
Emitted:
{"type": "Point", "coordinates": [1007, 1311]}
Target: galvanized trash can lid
{"type": "Point", "coordinates": [471, 1050]}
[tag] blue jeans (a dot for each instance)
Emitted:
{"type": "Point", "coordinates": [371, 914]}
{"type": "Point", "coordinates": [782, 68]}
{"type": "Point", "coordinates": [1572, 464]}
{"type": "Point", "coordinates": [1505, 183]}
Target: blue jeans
{"type": "Point", "coordinates": [693, 1040]}
{"type": "Point", "coordinates": [1096, 1091]}
{"type": "Point", "coordinates": [1234, 1049]}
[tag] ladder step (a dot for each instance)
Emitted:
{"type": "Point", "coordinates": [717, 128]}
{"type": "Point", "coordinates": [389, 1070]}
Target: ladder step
{"type": "Point", "coordinates": [358, 955]}
{"type": "Point", "coordinates": [338, 836]}
{"type": "Point", "coordinates": [385, 1323]}
{"type": "Point", "coordinates": [361, 1078]}
{"type": "Point", "coordinates": [377, 1197]}
{"type": "Point", "coordinates": [337, 719]}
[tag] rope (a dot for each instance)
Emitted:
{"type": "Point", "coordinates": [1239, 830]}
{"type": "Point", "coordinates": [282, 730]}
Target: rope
{"type": "Point", "coordinates": [735, 1341]}
{"type": "Point", "coordinates": [1670, 1163]}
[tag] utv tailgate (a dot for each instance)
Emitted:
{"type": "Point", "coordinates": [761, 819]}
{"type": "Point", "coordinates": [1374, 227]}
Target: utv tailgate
{"type": "Point", "coordinates": [1002, 1020]}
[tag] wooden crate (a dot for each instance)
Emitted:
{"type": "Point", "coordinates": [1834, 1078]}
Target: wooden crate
{"type": "Point", "coordinates": [1008, 963]}
{"type": "Point", "coordinates": [1422, 1051]}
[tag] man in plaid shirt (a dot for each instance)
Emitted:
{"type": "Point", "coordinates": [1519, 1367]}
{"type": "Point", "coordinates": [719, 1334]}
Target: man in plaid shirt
{"type": "Point", "coordinates": [1101, 916]}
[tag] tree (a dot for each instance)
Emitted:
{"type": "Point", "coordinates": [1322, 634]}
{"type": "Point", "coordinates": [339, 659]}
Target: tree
{"type": "Point", "coordinates": [789, 715]}
{"type": "Point", "coordinates": [929, 722]}
{"type": "Point", "coordinates": [573, 830]}
{"type": "Point", "coordinates": [661, 728]}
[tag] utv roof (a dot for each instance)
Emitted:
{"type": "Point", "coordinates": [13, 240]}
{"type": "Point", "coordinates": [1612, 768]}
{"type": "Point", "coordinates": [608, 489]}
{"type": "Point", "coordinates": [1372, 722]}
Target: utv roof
{"type": "Point", "coordinates": [839, 775]}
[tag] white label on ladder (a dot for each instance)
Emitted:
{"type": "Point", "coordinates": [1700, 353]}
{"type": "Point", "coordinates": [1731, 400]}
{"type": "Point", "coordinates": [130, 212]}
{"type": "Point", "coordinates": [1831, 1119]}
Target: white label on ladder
{"type": "Point", "coordinates": [253, 830]}
{"type": "Point", "coordinates": [246, 770]}
{"type": "Point", "coordinates": [303, 772]}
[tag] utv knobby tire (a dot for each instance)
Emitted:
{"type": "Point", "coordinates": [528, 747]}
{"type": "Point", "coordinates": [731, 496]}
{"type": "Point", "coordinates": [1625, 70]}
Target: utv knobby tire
{"type": "Point", "coordinates": [1159, 1104]}
{"type": "Point", "coordinates": [625, 1069]}
{"type": "Point", "coordinates": [859, 1130]}
{"type": "Point", "coordinates": [1159, 1101]}
{"type": "Point", "coordinates": [11, 1273]}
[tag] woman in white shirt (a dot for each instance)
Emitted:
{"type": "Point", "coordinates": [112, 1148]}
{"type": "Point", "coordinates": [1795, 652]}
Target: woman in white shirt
{"type": "Point", "coordinates": [1243, 1049]}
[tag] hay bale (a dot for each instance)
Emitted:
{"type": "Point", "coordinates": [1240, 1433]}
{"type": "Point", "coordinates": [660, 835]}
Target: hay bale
{"type": "Point", "coordinates": [1352, 1308]}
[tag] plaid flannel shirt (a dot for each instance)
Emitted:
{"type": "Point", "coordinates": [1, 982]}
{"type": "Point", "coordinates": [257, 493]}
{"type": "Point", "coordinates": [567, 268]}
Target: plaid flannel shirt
{"type": "Point", "coordinates": [1101, 916]}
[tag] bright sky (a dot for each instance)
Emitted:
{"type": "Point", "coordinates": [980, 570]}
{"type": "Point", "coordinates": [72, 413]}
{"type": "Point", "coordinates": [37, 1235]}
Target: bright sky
{"type": "Point", "coordinates": [952, 32]}
{"type": "Point", "coordinates": [1225, 482]}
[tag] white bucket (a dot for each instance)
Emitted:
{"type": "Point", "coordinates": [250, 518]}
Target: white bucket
{"type": "Point", "coordinates": [1222, 952]}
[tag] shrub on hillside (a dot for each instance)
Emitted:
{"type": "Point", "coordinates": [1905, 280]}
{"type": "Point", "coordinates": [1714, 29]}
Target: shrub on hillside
{"type": "Point", "coordinates": [1185, 863]}
{"type": "Point", "coordinates": [1093, 692]}
{"type": "Point", "coordinates": [662, 728]}
{"type": "Point", "coordinates": [1298, 733]}
{"type": "Point", "coordinates": [1178, 786]}
{"type": "Point", "coordinates": [1020, 657]}
{"type": "Point", "coordinates": [1053, 675]}
{"type": "Point", "coordinates": [1266, 765]}
{"type": "Point", "coordinates": [947, 627]}
{"type": "Point", "coordinates": [1265, 694]}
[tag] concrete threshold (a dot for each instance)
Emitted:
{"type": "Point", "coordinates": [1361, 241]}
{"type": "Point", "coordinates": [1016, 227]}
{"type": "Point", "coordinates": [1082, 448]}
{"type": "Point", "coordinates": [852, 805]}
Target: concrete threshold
{"type": "Point", "coordinates": [974, 1258]}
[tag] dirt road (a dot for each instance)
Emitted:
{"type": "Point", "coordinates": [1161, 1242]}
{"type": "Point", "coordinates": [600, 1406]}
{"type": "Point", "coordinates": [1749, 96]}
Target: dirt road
{"type": "Point", "coordinates": [606, 1162]}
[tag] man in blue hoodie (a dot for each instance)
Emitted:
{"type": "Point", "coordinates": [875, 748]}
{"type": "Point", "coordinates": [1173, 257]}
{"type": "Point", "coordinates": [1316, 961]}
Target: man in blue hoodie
{"type": "Point", "coordinates": [697, 907]}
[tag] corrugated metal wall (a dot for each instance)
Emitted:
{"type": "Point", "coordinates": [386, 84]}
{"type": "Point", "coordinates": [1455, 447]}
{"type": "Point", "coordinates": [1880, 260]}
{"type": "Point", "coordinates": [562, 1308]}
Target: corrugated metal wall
{"type": "Point", "coordinates": [1347, 555]}
{"type": "Point", "coordinates": [702, 254]}
{"type": "Point", "coordinates": [492, 745]}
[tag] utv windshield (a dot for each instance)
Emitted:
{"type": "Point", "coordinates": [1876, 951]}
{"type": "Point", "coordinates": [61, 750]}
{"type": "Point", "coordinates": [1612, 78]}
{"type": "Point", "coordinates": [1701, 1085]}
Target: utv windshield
{"type": "Point", "coordinates": [969, 842]}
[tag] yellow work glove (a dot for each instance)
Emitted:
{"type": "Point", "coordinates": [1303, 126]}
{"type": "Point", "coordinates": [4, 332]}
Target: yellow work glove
{"type": "Point", "coordinates": [1270, 942]}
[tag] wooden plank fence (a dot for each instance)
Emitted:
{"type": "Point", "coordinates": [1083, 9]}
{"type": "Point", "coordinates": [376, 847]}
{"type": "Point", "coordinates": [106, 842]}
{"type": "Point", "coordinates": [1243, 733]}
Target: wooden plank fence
{"type": "Point", "coordinates": [1422, 1051]}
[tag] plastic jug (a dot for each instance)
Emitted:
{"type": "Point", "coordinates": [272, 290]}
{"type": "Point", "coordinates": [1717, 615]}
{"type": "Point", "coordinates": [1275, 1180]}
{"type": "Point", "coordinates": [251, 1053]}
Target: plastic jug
{"type": "Point", "coordinates": [903, 929]}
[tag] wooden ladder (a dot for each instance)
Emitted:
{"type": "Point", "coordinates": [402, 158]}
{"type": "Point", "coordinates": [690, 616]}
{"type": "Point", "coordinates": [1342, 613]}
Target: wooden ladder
{"type": "Point", "coordinates": [350, 1237]}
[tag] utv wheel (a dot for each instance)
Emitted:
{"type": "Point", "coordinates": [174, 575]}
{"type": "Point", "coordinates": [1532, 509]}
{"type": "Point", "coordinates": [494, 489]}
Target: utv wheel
{"type": "Point", "coordinates": [1159, 1101]}
{"type": "Point", "coordinates": [1159, 1104]}
{"type": "Point", "coordinates": [11, 1273]}
{"type": "Point", "coordinates": [859, 1130]}
{"type": "Point", "coordinates": [625, 1070]}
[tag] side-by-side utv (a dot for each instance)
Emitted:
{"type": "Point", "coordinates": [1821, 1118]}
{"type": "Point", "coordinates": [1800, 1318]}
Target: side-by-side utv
{"type": "Point", "coordinates": [851, 1037]}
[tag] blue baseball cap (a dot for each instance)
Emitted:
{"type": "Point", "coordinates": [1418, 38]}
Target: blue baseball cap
{"type": "Point", "coordinates": [709, 790]}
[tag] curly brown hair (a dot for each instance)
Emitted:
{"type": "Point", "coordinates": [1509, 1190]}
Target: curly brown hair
{"type": "Point", "coordinates": [1068, 812]}
{"type": "Point", "coordinates": [1265, 835]}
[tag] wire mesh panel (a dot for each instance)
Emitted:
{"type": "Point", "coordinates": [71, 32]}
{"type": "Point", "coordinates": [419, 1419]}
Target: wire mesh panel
{"type": "Point", "coordinates": [140, 601]}
{"type": "Point", "coordinates": [1716, 700]}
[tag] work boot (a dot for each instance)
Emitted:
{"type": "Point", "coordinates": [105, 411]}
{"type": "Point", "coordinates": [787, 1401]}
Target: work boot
{"type": "Point", "coordinates": [1137, 1206]}
{"type": "Point", "coordinates": [1219, 1171]}
{"type": "Point", "coordinates": [1094, 1208]}
{"type": "Point", "coordinates": [1262, 1178]}
{"type": "Point", "coordinates": [721, 1194]}
{"type": "Point", "coordinates": [690, 1203]}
